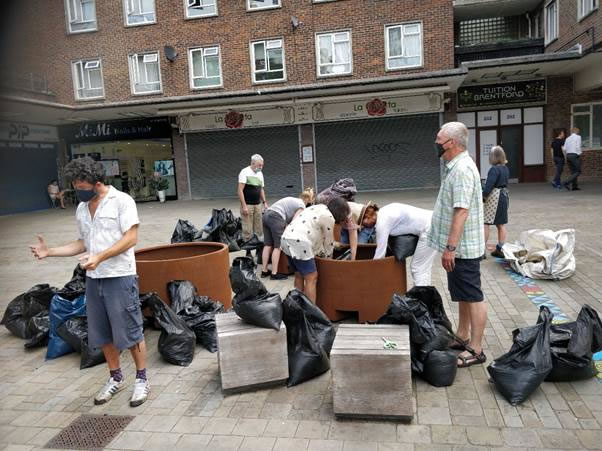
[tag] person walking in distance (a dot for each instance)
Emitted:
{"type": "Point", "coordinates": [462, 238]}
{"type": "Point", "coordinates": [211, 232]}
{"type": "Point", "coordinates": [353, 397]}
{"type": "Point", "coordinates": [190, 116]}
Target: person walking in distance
{"type": "Point", "coordinates": [558, 155]}
{"type": "Point", "coordinates": [252, 198]}
{"type": "Point", "coordinates": [107, 221]}
{"type": "Point", "coordinates": [572, 148]}
{"type": "Point", "coordinates": [457, 232]}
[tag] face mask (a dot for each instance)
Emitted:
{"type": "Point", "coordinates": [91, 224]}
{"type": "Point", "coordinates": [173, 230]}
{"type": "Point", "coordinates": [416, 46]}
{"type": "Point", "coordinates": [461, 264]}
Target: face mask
{"type": "Point", "coordinates": [257, 170]}
{"type": "Point", "coordinates": [85, 195]}
{"type": "Point", "coordinates": [440, 149]}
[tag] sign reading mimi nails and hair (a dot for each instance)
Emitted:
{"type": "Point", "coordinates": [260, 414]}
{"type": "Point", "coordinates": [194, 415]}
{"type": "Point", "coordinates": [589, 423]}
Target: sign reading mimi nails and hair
{"type": "Point", "coordinates": [517, 92]}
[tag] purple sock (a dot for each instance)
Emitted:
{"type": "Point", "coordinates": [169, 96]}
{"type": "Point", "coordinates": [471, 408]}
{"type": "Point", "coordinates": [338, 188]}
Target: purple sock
{"type": "Point", "coordinates": [116, 375]}
{"type": "Point", "coordinates": [141, 374]}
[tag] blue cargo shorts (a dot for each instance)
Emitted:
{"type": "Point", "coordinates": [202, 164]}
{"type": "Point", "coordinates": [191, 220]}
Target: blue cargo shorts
{"type": "Point", "coordinates": [114, 314]}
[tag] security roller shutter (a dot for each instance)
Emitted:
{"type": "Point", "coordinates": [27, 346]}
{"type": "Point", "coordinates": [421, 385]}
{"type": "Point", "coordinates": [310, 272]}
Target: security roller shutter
{"type": "Point", "coordinates": [216, 158]}
{"type": "Point", "coordinates": [379, 154]}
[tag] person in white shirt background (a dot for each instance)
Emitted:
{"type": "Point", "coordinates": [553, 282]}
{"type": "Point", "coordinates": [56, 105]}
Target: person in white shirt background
{"type": "Point", "coordinates": [572, 149]}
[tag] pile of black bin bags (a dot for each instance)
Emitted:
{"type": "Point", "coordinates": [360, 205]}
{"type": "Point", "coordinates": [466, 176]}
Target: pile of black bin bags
{"type": "Point", "coordinates": [422, 310]}
{"type": "Point", "coordinates": [548, 352]}
{"type": "Point", "coordinates": [189, 320]}
{"type": "Point", "coordinates": [309, 332]}
{"type": "Point", "coordinates": [48, 316]}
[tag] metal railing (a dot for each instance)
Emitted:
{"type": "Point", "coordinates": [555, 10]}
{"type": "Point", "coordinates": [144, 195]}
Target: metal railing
{"type": "Point", "coordinates": [25, 81]}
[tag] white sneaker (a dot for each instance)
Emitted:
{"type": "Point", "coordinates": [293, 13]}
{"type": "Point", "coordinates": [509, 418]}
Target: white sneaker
{"type": "Point", "coordinates": [108, 390]}
{"type": "Point", "coordinates": [140, 394]}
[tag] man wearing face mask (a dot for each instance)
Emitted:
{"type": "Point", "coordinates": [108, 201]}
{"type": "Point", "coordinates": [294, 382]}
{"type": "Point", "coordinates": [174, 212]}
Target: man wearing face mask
{"type": "Point", "coordinates": [252, 198]}
{"type": "Point", "coordinates": [107, 220]}
{"type": "Point", "coordinates": [457, 232]}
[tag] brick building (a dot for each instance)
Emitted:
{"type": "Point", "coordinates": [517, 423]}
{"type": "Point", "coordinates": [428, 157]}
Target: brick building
{"type": "Point", "coordinates": [321, 88]}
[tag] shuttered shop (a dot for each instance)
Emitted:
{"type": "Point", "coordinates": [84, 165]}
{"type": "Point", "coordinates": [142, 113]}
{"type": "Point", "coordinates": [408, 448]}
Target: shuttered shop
{"type": "Point", "coordinates": [379, 154]}
{"type": "Point", "coordinates": [215, 158]}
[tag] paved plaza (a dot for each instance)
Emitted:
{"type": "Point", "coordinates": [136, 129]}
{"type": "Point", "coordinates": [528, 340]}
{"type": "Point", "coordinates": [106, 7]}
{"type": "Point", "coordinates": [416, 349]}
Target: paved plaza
{"type": "Point", "coordinates": [187, 409]}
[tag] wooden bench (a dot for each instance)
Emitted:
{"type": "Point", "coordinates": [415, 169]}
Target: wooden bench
{"type": "Point", "coordinates": [250, 356]}
{"type": "Point", "coordinates": [370, 381]}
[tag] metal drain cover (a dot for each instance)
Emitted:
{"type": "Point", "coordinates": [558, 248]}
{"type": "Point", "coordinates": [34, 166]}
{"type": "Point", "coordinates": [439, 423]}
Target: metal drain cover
{"type": "Point", "coordinates": [90, 432]}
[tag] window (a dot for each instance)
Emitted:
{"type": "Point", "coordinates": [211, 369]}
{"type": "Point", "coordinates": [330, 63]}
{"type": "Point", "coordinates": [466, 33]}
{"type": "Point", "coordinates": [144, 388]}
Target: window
{"type": "Point", "coordinates": [139, 12]}
{"type": "Point", "coordinates": [200, 8]}
{"type": "Point", "coordinates": [403, 46]}
{"type": "Point", "coordinates": [585, 7]}
{"type": "Point", "coordinates": [145, 73]}
{"type": "Point", "coordinates": [81, 15]}
{"type": "Point", "coordinates": [87, 79]}
{"type": "Point", "coordinates": [588, 118]}
{"type": "Point", "coordinates": [551, 22]}
{"type": "Point", "coordinates": [262, 4]}
{"type": "Point", "coordinates": [268, 60]}
{"type": "Point", "coordinates": [205, 71]}
{"type": "Point", "coordinates": [334, 53]}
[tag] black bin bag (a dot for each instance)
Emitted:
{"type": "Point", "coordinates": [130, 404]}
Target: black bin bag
{"type": "Point", "coordinates": [75, 332]}
{"type": "Point", "coordinates": [18, 316]}
{"type": "Point", "coordinates": [262, 311]}
{"type": "Point", "coordinates": [185, 232]}
{"type": "Point", "coordinates": [403, 246]}
{"type": "Point", "coordinates": [309, 334]}
{"type": "Point", "coordinates": [177, 341]}
{"type": "Point", "coordinates": [572, 345]}
{"type": "Point", "coordinates": [224, 227]}
{"type": "Point", "coordinates": [198, 312]}
{"type": "Point", "coordinates": [440, 368]}
{"type": "Point", "coordinates": [243, 279]}
{"type": "Point", "coordinates": [39, 327]}
{"type": "Point", "coordinates": [521, 370]}
{"type": "Point", "coordinates": [76, 286]}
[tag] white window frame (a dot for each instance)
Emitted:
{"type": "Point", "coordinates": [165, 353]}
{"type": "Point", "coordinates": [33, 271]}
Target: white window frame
{"type": "Point", "coordinates": [135, 70]}
{"type": "Point", "coordinates": [126, 13]}
{"type": "Point", "coordinates": [252, 55]}
{"type": "Point", "coordinates": [70, 20]}
{"type": "Point", "coordinates": [200, 16]}
{"type": "Point", "coordinates": [589, 113]}
{"type": "Point", "coordinates": [402, 26]}
{"type": "Point", "coordinates": [591, 6]}
{"type": "Point", "coordinates": [547, 38]}
{"type": "Point", "coordinates": [261, 8]}
{"type": "Point", "coordinates": [317, 46]}
{"type": "Point", "coordinates": [191, 66]}
{"type": "Point", "coordinates": [76, 80]}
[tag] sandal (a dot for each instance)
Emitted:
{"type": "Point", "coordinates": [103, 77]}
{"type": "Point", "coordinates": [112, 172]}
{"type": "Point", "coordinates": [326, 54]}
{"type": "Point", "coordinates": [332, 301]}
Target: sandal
{"type": "Point", "coordinates": [457, 344]}
{"type": "Point", "coordinates": [473, 359]}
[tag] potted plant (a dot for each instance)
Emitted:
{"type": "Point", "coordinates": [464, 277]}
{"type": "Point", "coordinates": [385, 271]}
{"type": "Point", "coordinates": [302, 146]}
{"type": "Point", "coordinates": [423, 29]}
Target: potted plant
{"type": "Point", "coordinates": [159, 185]}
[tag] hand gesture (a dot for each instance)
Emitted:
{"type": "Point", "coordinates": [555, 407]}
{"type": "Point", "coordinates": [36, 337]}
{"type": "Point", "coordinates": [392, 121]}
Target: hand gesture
{"type": "Point", "coordinates": [89, 262]}
{"type": "Point", "coordinates": [40, 250]}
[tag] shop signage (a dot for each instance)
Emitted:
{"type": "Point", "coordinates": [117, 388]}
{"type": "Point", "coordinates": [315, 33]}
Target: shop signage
{"type": "Point", "coordinates": [18, 131]}
{"type": "Point", "coordinates": [519, 92]}
{"type": "Point", "coordinates": [303, 113]}
{"type": "Point", "coordinates": [117, 130]}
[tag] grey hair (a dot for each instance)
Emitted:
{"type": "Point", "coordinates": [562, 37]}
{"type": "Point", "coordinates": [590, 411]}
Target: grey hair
{"type": "Point", "coordinates": [85, 170]}
{"type": "Point", "coordinates": [497, 156]}
{"type": "Point", "coordinates": [458, 132]}
{"type": "Point", "coordinates": [256, 158]}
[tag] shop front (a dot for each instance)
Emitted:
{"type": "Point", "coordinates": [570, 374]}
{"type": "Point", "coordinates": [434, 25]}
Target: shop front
{"type": "Point", "coordinates": [132, 152]}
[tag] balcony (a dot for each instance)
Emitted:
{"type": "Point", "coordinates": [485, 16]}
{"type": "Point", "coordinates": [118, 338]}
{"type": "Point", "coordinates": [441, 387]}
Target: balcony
{"type": "Point", "coordinates": [504, 49]}
{"type": "Point", "coordinates": [24, 81]}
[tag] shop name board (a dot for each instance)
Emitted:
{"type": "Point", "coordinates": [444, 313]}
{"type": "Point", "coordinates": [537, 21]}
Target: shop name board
{"type": "Point", "coordinates": [520, 92]}
{"type": "Point", "coordinates": [18, 131]}
{"type": "Point", "coordinates": [304, 113]}
{"type": "Point", "coordinates": [118, 130]}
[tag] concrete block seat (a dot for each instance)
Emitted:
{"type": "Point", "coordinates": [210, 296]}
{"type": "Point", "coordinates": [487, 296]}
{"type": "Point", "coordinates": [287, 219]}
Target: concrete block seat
{"type": "Point", "coordinates": [365, 286]}
{"type": "Point", "coordinates": [369, 380]}
{"type": "Point", "coordinates": [206, 265]}
{"type": "Point", "coordinates": [250, 356]}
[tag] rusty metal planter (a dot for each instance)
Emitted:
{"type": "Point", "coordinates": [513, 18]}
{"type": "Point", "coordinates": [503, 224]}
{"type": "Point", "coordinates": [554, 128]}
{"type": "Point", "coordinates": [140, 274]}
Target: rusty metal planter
{"type": "Point", "coordinates": [206, 265]}
{"type": "Point", "coordinates": [364, 285]}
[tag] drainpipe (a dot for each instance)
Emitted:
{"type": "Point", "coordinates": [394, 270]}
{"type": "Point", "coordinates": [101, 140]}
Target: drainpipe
{"type": "Point", "coordinates": [528, 16]}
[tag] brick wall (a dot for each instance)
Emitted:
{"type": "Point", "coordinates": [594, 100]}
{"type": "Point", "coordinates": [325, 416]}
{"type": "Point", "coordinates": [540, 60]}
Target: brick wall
{"type": "Point", "coordinates": [40, 41]}
{"type": "Point", "coordinates": [558, 115]}
{"type": "Point", "coordinates": [571, 31]}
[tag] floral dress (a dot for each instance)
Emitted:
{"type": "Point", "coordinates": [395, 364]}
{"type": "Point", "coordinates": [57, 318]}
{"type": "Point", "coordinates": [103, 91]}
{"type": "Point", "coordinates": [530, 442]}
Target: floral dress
{"type": "Point", "coordinates": [310, 234]}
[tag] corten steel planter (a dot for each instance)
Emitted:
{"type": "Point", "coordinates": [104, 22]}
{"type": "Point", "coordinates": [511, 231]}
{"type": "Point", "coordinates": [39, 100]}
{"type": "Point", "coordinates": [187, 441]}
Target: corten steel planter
{"type": "Point", "coordinates": [206, 265]}
{"type": "Point", "coordinates": [364, 286]}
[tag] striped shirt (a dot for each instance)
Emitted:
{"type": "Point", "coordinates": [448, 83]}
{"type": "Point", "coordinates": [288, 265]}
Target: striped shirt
{"type": "Point", "coordinates": [460, 188]}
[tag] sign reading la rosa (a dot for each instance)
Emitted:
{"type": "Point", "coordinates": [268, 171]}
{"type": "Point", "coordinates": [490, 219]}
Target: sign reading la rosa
{"type": "Point", "coordinates": [303, 113]}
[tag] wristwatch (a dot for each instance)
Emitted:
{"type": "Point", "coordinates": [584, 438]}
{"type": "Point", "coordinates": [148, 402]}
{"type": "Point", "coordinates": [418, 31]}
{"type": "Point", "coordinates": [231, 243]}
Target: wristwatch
{"type": "Point", "coordinates": [450, 248]}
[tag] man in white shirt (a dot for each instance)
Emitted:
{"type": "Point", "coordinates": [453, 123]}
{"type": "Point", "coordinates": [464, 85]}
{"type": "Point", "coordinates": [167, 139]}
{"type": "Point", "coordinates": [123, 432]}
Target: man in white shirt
{"type": "Point", "coordinates": [572, 149]}
{"type": "Point", "coordinates": [401, 219]}
{"type": "Point", "coordinates": [252, 199]}
{"type": "Point", "coordinates": [107, 220]}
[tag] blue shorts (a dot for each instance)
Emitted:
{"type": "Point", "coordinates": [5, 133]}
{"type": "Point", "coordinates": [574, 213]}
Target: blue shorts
{"type": "Point", "coordinates": [304, 267]}
{"type": "Point", "coordinates": [464, 282]}
{"type": "Point", "coordinates": [114, 314]}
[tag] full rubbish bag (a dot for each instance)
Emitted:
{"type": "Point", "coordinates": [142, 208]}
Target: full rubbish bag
{"type": "Point", "coordinates": [75, 332]}
{"type": "Point", "coordinates": [18, 315]}
{"type": "Point", "coordinates": [224, 227]}
{"type": "Point", "coordinates": [440, 368]}
{"type": "Point", "coordinates": [572, 346]}
{"type": "Point", "coordinates": [262, 311]}
{"type": "Point", "coordinates": [61, 310]}
{"type": "Point", "coordinates": [309, 334]}
{"type": "Point", "coordinates": [177, 341]}
{"type": "Point", "coordinates": [403, 246]}
{"type": "Point", "coordinates": [243, 279]}
{"type": "Point", "coordinates": [76, 286]}
{"type": "Point", "coordinates": [519, 372]}
{"type": "Point", "coordinates": [40, 325]}
{"type": "Point", "coordinates": [185, 232]}
{"type": "Point", "coordinates": [198, 312]}
{"type": "Point", "coordinates": [344, 188]}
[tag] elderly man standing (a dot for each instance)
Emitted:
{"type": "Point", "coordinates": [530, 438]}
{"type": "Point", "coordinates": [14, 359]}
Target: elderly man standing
{"type": "Point", "coordinates": [457, 232]}
{"type": "Point", "coordinates": [572, 148]}
{"type": "Point", "coordinates": [252, 198]}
